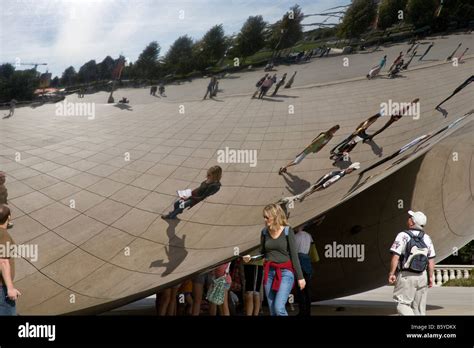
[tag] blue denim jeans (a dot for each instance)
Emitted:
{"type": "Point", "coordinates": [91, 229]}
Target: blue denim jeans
{"type": "Point", "coordinates": [277, 299]}
{"type": "Point", "coordinates": [7, 306]}
{"type": "Point", "coordinates": [179, 209]}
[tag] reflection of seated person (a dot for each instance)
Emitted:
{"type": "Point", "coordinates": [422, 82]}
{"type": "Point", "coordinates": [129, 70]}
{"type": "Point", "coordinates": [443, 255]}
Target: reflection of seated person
{"type": "Point", "coordinates": [269, 66]}
{"type": "Point", "coordinates": [207, 188]}
{"type": "Point", "coordinates": [124, 100]}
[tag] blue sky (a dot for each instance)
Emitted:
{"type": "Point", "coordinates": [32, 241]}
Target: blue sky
{"type": "Point", "coordinates": [71, 32]}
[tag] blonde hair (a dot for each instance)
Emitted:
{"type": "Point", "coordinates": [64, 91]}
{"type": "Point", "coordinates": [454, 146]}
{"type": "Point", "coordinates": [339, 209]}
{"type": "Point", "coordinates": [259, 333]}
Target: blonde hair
{"type": "Point", "coordinates": [215, 173]}
{"type": "Point", "coordinates": [277, 214]}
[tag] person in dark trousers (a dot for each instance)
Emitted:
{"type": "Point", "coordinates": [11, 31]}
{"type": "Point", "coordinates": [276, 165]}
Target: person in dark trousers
{"type": "Point", "coordinates": [265, 87]}
{"type": "Point", "coordinates": [303, 244]}
{"type": "Point", "coordinates": [207, 188]}
{"type": "Point", "coordinates": [259, 85]}
{"type": "Point", "coordinates": [282, 265]}
{"type": "Point", "coordinates": [426, 52]}
{"type": "Point", "coordinates": [279, 84]}
{"type": "Point", "coordinates": [348, 144]}
{"type": "Point", "coordinates": [393, 118]}
{"type": "Point", "coordinates": [396, 61]}
{"type": "Point", "coordinates": [210, 87]}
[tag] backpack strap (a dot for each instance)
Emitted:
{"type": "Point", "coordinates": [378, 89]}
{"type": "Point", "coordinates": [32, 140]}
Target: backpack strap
{"type": "Point", "coordinates": [264, 238]}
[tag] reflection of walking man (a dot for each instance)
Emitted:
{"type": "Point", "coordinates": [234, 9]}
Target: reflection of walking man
{"type": "Point", "coordinates": [12, 108]}
{"type": "Point", "coordinates": [210, 87]}
{"type": "Point", "coordinates": [412, 254]}
{"type": "Point", "coordinates": [393, 118]}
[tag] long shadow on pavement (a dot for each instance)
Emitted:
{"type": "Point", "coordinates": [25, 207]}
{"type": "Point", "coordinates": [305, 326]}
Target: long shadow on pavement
{"type": "Point", "coordinates": [176, 253]}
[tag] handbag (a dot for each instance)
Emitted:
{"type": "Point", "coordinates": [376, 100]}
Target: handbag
{"type": "Point", "coordinates": [313, 253]}
{"type": "Point", "coordinates": [216, 292]}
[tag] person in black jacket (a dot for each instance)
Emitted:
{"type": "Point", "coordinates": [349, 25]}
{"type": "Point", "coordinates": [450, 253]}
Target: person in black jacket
{"type": "Point", "coordinates": [207, 188]}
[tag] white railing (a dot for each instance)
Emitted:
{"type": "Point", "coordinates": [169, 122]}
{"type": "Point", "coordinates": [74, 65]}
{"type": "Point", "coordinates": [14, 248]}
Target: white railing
{"type": "Point", "coordinates": [443, 273]}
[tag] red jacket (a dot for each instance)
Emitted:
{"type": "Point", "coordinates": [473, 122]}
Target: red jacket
{"type": "Point", "coordinates": [278, 267]}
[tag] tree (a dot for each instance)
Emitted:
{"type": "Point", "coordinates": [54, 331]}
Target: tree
{"type": "Point", "coordinates": [287, 31]}
{"type": "Point", "coordinates": [213, 44]}
{"type": "Point", "coordinates": [55, 82]}
{"type": "Point", "coordinates": [358, 17]}
{"type": "Point", "coordinates": [389, 12]}
{"type": "Point", "coordinates": [251, 37]}
{"type": "Point", "coordinates": [454, 11]}
{"type": "Point", "coordinates": [6, 71]}
{"type": "Point", "coordinates": [147, 65]}
{"type": "Point", "coordinates": [179, 58]}
{"type": "Point", "coordinates": [421, 12]}
{"type": "Point", "coordinates": [88, 72]}
{"type": "Point", "coordinates": [69, 77]}
{"type": "Point", "coordinates": [105, 68]}
{"type": "Point", "coordinates": [17, 84]}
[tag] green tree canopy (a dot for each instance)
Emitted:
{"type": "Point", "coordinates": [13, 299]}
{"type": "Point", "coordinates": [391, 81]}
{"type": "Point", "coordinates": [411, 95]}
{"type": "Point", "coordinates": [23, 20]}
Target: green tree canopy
{"type": "Point", "coordinates": [389, 11]}
{"type": "Point", "coordinates": [105, 68]}
{"type": "Point", "coordinates": [179, 58]}
{"type": "Point", "coordinates": [69, 77]}
{"type": "Point", "coordinates": [6, 71]}
{"type": "Point", "coordinates": [421, 12]}
{"type": "Point", "coordinates": [287, 31]}
{"type": "Point", "coordinates": [88, 72]}
{"type": "Point", "coordinates": [19, 84]}
{"type": "Point", "coordinates": [251, 37]}
{"type": "Point", "coordinates": [213, 44]}
{"type": "Point", "coordinates": [357, 19]}
{"type": "Point", "coordinates": [147, 65]}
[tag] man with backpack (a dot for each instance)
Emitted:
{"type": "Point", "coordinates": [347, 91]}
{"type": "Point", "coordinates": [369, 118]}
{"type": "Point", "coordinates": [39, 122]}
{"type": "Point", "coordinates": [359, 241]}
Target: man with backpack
{"type": "Point", "coordinates": [412, 255]}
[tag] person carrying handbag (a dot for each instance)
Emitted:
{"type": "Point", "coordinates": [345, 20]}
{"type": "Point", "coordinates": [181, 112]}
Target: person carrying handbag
{"type": "Point", "coordinates": [218, 293]}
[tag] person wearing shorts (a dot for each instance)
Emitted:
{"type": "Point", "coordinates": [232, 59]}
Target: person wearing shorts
{"type": "Point", "coordinates": [253, 272]}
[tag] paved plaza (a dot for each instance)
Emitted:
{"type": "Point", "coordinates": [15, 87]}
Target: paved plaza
{"type": "Point", "coordinates": [441, 301]}
{"type": "Point", "coordinates": [90, 190]}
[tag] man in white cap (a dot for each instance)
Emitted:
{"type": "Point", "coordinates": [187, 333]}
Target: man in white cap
{"type": "Point", "coordinates": [412, 256]}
